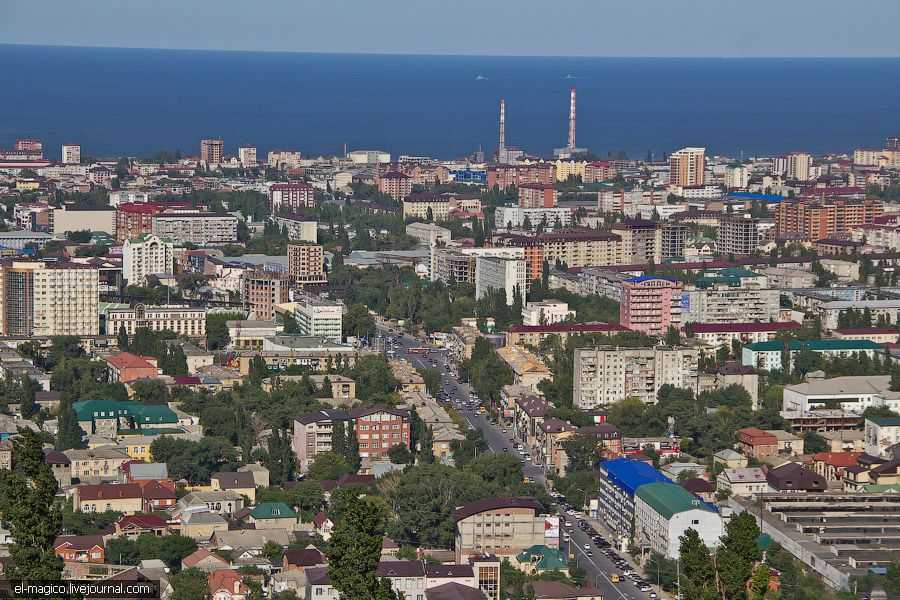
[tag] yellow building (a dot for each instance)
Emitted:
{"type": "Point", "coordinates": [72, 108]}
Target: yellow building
{"type": "Point", "coordinates": [418, 205]}
{"type": "Point", "coordinates": [569, 168]}
{"type": "Point", "coordinates": [27, 185]}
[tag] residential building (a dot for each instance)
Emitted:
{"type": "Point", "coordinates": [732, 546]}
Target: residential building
{"type": "Point", "coordinates": [429, 234]}
{"type": "Point", "coordinates": [597, 171]}
{"type": "Point", "coordinates": [199, 229]}
{"type": "Point", "coordinates": [300, 228]}
{"type": "Point", "coordinates": [687, 167]}
{"type": "Point", "coordinates": [673, 239]}
{"type": "Point", "coordinates": [126, 367]}
{"type": "Point", "coordinates": [126, 498]}
{"type": "Point", "coordinates": [832, 466]}
{"type": "Point", "coordinates": [211, 151]}
{"type": "Point", "coordinates": [407, 577]}
{"type": "Point", "coordinates": [533, 335]}
{"type": "Point", "coordinates": [501, 527]}
{"type": "Point", "coordinates": [312, 435]}
{"type": "Point", "coordinates": [606, 374]}
{"type": "Point", "coordinates": [798, 166]}
{"type": "Point", "coordinates": [378, 428]}
{"type": "Point", "coordinates": [42, 299]}
{"type": "Point", "coordinates": [185, 321]}
{"type": "Point", "coordinates": [528, 370]}
{"type": "Point", "coordinates": [546, 312]}
{"type": "Point", "coordinates": [262, 290]}
{"type": "Point", "coordinates": [274, 515]}
{"type": "Point", "coordinates": [395, 184]}
{"type": "Point", "coordinates": [240, 482]}
{"type": "Point", "coordinates": [426, 206]}
{"type": "Point", "coordinates": [147, 255]}
{"type": "Point", "coordinates": [203, 560]}
{"type": "Point", "coordinates": [737, 177]}
{"type": "Point", "coordinates": [283, 159]}
{"type": "Point", "coordinates": [619, 480]}
{"type": "Point", "coordinates": [881, 434]}
{"type": "Point", "coordinates": [737, 234]}
{"type": "Point", "coordinates": [768, 355]}
{"type": "Point", "coordinates": [815, 219]}
{"type": "Point", "coordinates": [291, 197]}
{"type": "Point", "coordinates": [537, 195]}
{"type": "Point", "coordinates": [745, 482]}
{"type": "Point", "coordinates": [508, 275]}
{"type": "Point", "coordinates": [247, 156]}
{"type": "Point", "coordinates": [756, 443]}
{"type": "Point", "coordinates": [318, 317]}
{"type": "Point", "coordinates": [63, 221]}
{"type": "Point", "coordinates": [730, 296]}
{"type": "Point", "coordinates": [134, 219]}
{"type": "Point", "coordinates": [516, 217]}
{"type": "Point", "coordinates": [723, 335]}
{"type": "Point", "coordinates": [80, 548]}
{"type": "Point", "coordinates": [227, 584]}
{"type": "Point", "coordinates": [663, 512]}
{"type": "Point", "coordinates": [641, 241]}
{"type": "Point", "coordinates": [651, 304]}
{"type": "Point", "coordinates": [306, 264]}
{"type": "Point", "coordinates": [109, 417]}
{"type": "Point", "coordinates": [830, 312]}
{"type": "Point", "coordinates": [571, 247]}
{"type": "Point", "coordinates": [71, 154]}
{"type": "Point", "coordinates": [794, 477]}
{"type": "Point", "coordinates": [505, 176]}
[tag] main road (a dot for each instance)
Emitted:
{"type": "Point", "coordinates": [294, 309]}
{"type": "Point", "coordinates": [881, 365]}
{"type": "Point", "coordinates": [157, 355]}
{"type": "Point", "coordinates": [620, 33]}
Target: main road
{"type": "Point", "coordinates": [597, 565]}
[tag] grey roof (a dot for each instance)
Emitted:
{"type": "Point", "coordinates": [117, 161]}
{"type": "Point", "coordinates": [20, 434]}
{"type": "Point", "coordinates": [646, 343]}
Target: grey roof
{"type": "Point", "coordinates": [149, 470]}
{"type": "Point", "coordinates": [868, 384]}
{"type": "Point", "coordinates": [203, 518]}
{"type": "Point", "coordinates": [859, 304]}
{"type": "Point", "coordinates": [303, 342]}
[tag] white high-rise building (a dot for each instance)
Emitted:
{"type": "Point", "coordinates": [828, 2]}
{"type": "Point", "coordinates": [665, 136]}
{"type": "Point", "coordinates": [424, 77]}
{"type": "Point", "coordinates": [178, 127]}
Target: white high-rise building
{"type": "Point", "coordinates": [737, 177]}
{"type": "Point", "coordinates": [147, 255]}
{"type": "Point", "coordinates": [71, 154]}
{"type": "Point", "coordinates": [500, 273]}
{"type": "Point", "coordinates": [546, 312]}
{"type": "Point", "coordinates": [247, 156]}
{"type": "Point", "coordinates": [319, 318]}
{"type": "Point", "coordinates": [798, 166]}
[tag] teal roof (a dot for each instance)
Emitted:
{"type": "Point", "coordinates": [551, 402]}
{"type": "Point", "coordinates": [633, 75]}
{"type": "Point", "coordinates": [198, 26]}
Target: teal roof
{"type": "Point", "coordinates": [885, 421]}
{"type": "Point", "coordinates": [764, 541]}
{"type": "Point", "coordinates": [815, 345]}
{"type": "Point", "coordinates": [272, 510]}
{"type": "Point", "coordinates": [731, 276]}
{"type": "Point", "coordinates": [141, 414]}
{"type": "Point", "coordinates": [543, 558]}
{"type": "Point", "coordinates": [668, 499]}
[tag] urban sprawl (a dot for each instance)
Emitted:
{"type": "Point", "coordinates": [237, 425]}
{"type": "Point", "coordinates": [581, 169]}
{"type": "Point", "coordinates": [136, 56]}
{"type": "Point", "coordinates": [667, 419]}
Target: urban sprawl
{"type": "Point", "coordinates": [571, 377]}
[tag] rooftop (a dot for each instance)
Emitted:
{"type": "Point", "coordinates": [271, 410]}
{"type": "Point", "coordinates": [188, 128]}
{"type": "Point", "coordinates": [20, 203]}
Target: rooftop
{"type": "Point", "coordinates": [668, 499]}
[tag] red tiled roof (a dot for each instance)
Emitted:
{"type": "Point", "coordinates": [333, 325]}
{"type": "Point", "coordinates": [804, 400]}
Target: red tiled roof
{"type": "Point", "coordinates": [227, 579]}
{"type": "Point", "coordinates": [109, 491]}
{"type": "Point", "coordinates": [127, 360]}
{"type": "Point", "coordinates": [742, 327]}
{"type": "Point", "coordinates": [838, 459]}
{"type": "Point", "coordinates": [143, 521]}
{"type": "Point", "coordinates": [78, 542]}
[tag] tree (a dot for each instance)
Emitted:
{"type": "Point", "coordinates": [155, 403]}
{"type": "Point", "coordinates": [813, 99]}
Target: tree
{"type": "Point", "coordinates": [400, 454]}
{"type": "Point", "coordinates": [354, 552]}
{"type": "Point", "coordinates": [814, 443]}
{"type": "Point", "coordinates": [426, 447]}
{"type": "Point", "coordinates": [150, 391]}
{"type": "Point", "coordinates": [581, 450]}
{"type": "Point", "coordinates": [673, 338]}
{"type": "Point", "coordinates": [279, 459]}
{"type": "Point", "coordinates": [189, 584]}
{"type": "Point", "coordinates": [354, 460]}
{"type": "Point", "coordinates": [328, 466]}
{"type": "Point", "coordinates": [309, 498]}
{"type": "Point", "coordinates": [29, 407]}
{"type": "Point", "coordinates": [339, 437]}
{"type": "Point", "coordinates": [358, 322]}
{"type": "Point", "coordinates": [737, 554]}
{"type": "Point", "coordinates": [122, 338]}
{"type": "Point", "coordinates": [698, 578]}
{"type": "Point", "coordinates": [27, 505]}
{"type": "Point", "coordinates": [759, 585]}
{"type": "Point", "coordinates": [895, 379]}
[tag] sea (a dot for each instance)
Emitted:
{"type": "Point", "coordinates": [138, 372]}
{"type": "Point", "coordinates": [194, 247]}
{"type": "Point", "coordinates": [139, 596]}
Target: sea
{"type": "Point", "coordinates": [140, 101]}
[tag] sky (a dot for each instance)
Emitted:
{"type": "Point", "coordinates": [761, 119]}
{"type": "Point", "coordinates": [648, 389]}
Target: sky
{"type": "Point", "coordinates": [658, 28]}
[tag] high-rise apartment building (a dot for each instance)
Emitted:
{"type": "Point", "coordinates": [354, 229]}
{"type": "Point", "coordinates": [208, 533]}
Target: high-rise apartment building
{"type": "Point", "coordinates": [606, 374]}
{"type": "Point", "coordinates": [319, 317]}
{"type": "Point", "coordinates": [211, 151]}
{"type": "Point", "coordinates": [247, 156]}
{"type": "Point", "coordinates": [30, 145]}
{"type": "Point", "coordinates": [687, 167]}
{"type": "Point", "coordinates": [505, 176]}
{"type": "Point", "coordinates": [46, 299]}
{"type": "Point", "coordinates": [819, 219]}
{"type": "Point", "coordinates": [673, 238]}
{"type": "Point", "coordinates": [291, 197]}
{"type": "Point", "coordinates": [262, 290]}
{"type": "Point", "coordinates": [537, 195]}
{"type": "Point", "coordinates": [196, 228]}
{"type": "Point", "coordinates": [283, 159]}
{"type": "Point", "coordinates": [737, 234]}
{"type": "Point", "coordinates": [798, 165]}
{"type": "Point", "coordinates": [507, 275]}
{"type": "Point", "coordinates": [147, 255]}
{"type": "Point", "coordinates": [395, 184]}
{"type": "Point", "coordinates": [737, 177]}
{"type": "Point", "coordinates": [306, 263]}
{"type": "Point", "coordinates": [641, 241]}
{"type": "Point", "coordinates": [71, 154]}
{"type": "Point", "coordinates": [650, 304]}
{"type": "Point", "coordinates": [134, 219]}
{"type": "Point", "coordinates": [572, 247]}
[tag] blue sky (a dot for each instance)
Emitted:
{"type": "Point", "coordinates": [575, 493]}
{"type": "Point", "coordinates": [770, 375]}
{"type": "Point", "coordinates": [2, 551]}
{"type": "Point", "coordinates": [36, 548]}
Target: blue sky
{"type": "Point", "coordinates": [726, 28]}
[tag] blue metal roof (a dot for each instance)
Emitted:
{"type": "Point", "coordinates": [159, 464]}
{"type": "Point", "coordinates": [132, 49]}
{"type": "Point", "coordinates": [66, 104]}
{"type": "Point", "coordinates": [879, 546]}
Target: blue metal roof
{"type": "Point", "coordinates": [629, 474]}
{"type": "Point", "coordinates": [754, 196]}
{"type": "Point", "coordinates": [641, 278]}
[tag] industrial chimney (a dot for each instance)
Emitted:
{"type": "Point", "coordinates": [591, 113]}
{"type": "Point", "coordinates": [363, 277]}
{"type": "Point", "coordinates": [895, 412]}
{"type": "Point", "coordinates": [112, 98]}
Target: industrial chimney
{"type": "Point", "coordinates": [502, 145]}
{"type": "Point", "coordinates": [571, 144]}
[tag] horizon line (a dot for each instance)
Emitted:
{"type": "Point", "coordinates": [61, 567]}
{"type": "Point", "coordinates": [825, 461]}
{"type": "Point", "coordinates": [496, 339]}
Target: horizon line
{"type": "Point", "coordinates": [451, 54]}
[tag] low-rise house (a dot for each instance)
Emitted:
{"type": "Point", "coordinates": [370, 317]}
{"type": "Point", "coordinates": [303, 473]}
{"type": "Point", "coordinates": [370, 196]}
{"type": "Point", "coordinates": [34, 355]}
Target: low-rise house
{"type": "Point", "coordinates": [703, 489]}
{"type": "Point", "coordinates": [225, 502]}
{"type": "Point", "coordinates": [140, 471]}
{"type": "Point", "coordinates": [528, 370]}
{"type": "Point", "coordinates": [99, 464]}
{"type": "Point", "coordinates": [406, 576]}
{"type": "Point", "coordinates": [323, 525]}
{"type": "Point", "coordinates": [204, 560]}
{"type": "Point", "coordinates": [436, 575]}
{"type": "Point", "coordinates": [6, 453]}
{"type": "Point", "coordinates": [833, 465]}
{"type": "Point", "coordinates": [80, 548]}
{"type": "Point", "coordinates": [249, 542]}
{"type": "Point", "coordinates": [259, 472]}
{"type": "Point", "coordinates": [845, 440]}
{"type": "Point", "coordinates": [60, 465]}
{"type": "Point", "coordinates": [126, 367]}
{"type": "Point", "coordinates": [456, 591]}
{"type": "Point", "coordinates": [126, 498]}
{"type": "Point", "coordinates": [157, 494]}
{"type": "Point", "coordinates": [242, 483]}
{"type": "Point", "coordinates": [273, 515]}
{"type": "Point", "coordinates": [540, 558]}
{"type": "Point", "coordinates": [134, 526]}
{"type": "Point", "coordinates": [557, 590]}
{"type": "Point", "coordinates": [730, 459]}
{"type": "Point", "coordinates": [881, 433]}
{"type": "Point", "coordinates": [319, 585]}
{"type": "Point", "coordinates": [226, 584]}
{"type": "Point", "coordinates": [552, 433]}
{"type": "Point", "coordinates": [201, 525]}
{"type": "Point", "coordinates": [793, 477]}
{"type": "Point", "coordinates": [756, 443]}
{"type": "Point", "coordinates": [743, 482]}
{"type": "Point", "coordinates": [300, 559]}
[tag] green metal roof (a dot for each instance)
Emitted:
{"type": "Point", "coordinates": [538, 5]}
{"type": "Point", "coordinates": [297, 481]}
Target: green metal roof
{"type": "Point", "coordinates": [544, 558]}
{"type": "Point", "coordinates": [141, 414]}
{"type": "Point", "coordinates": [816, 345]}
{"type": "Point", "coordinates": [272, 510]}
{"type": "Point", "coordinates": [668, 498]}
{"type": "Point", "coordinates": [885, 421]}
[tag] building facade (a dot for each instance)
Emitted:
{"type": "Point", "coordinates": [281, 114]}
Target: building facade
{"type": "Point", "coordinates": [650, 304]}
{"type": "Point", "coordinates": [196, 228]}
{"type": "Point", "coordinates": [320, 318]}
{"type": "Point", "coordinates": [147, 255]}
{"type": "Point", "coordinates": [185, 321]}
{"type": "Point", "coordinates": [291, 197]}
{"type": "Point", "coordinates": [378, 428]}
{"type": "Point", "coordinates": [687, 167]}
{"type": "Point", "coordinates": [737, 234]}
{"type": "Point", "coordinates": [509, 275]}
{"type": "Point", "coordinates": [211, 151]}
{"type": "Point", "coordinates": [306, 264]}
{"type": "Point", "coordinates": [261, 290]}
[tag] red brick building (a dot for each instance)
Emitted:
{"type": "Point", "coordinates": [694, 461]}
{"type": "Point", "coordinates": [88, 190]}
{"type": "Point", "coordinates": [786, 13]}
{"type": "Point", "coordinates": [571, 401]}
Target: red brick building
{"type": "Point", "coordinates": [80, 548]}
{"type": "Point", "coordinates": [537, 195]}
{"type": "Point", "coordinates": [506, 176]}
{"type": "Point", "coordinates": [126, 367]}
{"type": "Point", "coordinates": [820, 219]}
{"type": "Point", "coordinates": [378, 428]}
{"type": "Point", "coordinates": [756, 443]}
{"type": "Point", "coordinates": [134, 219]}
{"type": "Point", "coordinates": [597, 171]}
{"type": "Point", "coordinates": [395, 184]}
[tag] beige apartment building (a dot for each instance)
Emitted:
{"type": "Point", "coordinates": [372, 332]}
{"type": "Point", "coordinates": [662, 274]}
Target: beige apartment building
{"type": "Point", "coordinates": [262, 290]}
{"type": "Point", "coordinates": [45, 299]}
{"type": "Point", "coordinates": [686, 167]}
{"type": "Point", "coordinates": [582, 248]}
{"type": "Point", "coordinates": [607, 374]}
{"type": "Point", "coordinates": [737, 234]}
{"type": "Point", "coordinates": [211, 151]}
{"type": "Point", "coordinates": [502, 527]}
{"type": "Point", "coordinates": [188, 321]}
{"type": "Point", "coordinates": [196, 228]}
{"type": "Point", "coordinates": [418, 205]}
{"type": "Point", "coordinates": [306, 263]}
{"type": "Point", "coordinates": [641, 241]}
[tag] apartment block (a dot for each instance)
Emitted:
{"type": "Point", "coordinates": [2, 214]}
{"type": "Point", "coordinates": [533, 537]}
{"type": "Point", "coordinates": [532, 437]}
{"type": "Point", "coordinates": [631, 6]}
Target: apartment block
{"type": "Point", "coordinates": [196, 228]}
{"type": "Point", "coordinates": [505, 176]}
{"type": "Point", "coordinates": [283, 159]}
{"type": "Point", "coordinates": [607, 374]}
{"type": "Point", "coordinates": [211, 151]}
{"type": "Point", "coordinates": [261, 290]}
{"type": "Point", "coordinates": [819, 219]}
{"type": "Point", "coordinates": [458, 264]}
{"type": "Point", "coordinates": [378, 428]}
{"type": "Point", "coordinates": [319, 318]}
{"type": "Point", "coordinates": [291, 197]}
{"type": "Point", "coordinates": [71, 154]}
{"type": "Point", "coordinates": [501, 527]}
{"type": "Point", "coordinates": [687, 167]}
{"type": "Point", "coordinates": [185, 321]}
{"type": "Point", "coordinates": [395, 184]}
{"type": "Point", "coordinates": [537, 195]}
{"type": "Point", "coordinates": [597, 171]}
{"type": "Point", "coordinates": [528, 218]}
{"type": "Point", "coordinates": [426, 206]}
{"type": "Point", "coordinates": [571, 247]}
{"type": "Point", "coordinates": [147, 255]}
{"type": "Point", "coordinates": [650, 304]}
{"type": "Point", "coordinates": [546, 312]}
{"type": "Point", "coordinates": [508, 275]}
{"type": "Point", "coordinates": [300, 228]}
{"type": "Point", "coordinates": [672, 239]}
{"type": "Point", "coordinates": [641, 241]}
{"type": "Point", "coordinates": [134, 219]}
{"type": "Point", "coordinates": [313, 435]}
{"type": "Point", "coordinates": [247, 156]}
{"type": "Point", "coordinates": [737, 234]}
{"type": "Point", "coordinates": [306, 264]}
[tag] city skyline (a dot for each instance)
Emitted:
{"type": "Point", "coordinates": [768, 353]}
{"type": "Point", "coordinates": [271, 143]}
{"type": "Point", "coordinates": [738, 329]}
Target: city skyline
{"type": "Point", "coordinates": [826, 28]}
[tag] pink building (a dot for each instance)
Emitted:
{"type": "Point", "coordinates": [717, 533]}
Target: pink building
{"type": "Point", "coordinates": [291, 197]}
{"type": "Point", "coordinates": [650, 304]}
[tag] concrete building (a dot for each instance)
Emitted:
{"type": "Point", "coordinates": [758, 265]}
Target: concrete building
{"type": "Point", "coordinates": [533, 335]}
{"type": "Point", "coordinates": [40, 299]}
{"type": "Point", "coordinates": [499, 273]}
{"type": "Point", "coordinates": [737, 177]}
{"type": "Point", "coordinates": [830, 312]}
{"type": "Point", "coordinates": [211, 151]}
{"type": "Point", "coordinates": [619, 480]}
{"type": "Point", "coordinates": [262, 290]}
{"type": "Point", "coordinates": [768, 355]}
{"type": "Point", "coordinates": [299, 228]}
{"type": "Point", "coordinates": [537, 195]}
{"type": "Point", "coordinates": [815, 219]}
{"type": "Point", "coordinates": [737, 234]}
{"type": "Point", "coordinates": [607, 374]}
{"type": "Point", "coordinates": [881, 434]}
{"type": "Point", "coordinates": [71, 154]}
{"type": "Point", "coordinates": [798, 166]}
{"type": "Point", "coordinates": [319, 318]}
{"type": "Point", "coordinates": [663, 512]}
{"type": "Point", "coordinates": [283, 159]}
{"type": "Point", "coordinates": [546, 312]}
{"type": "Point", "coordinates": [720, 335]}
{"type": "Point", "coordinates": [247, 156]}
{"type": "Point", "coordinates": [306, 264]}
{"type": "Point", "coordinates": [291, 197]}
{"type": "Point", "coordinates": [378, 429]}
{"type": "Point", "coordinates": [529, 218]}
{"type": "Point", "coordinates": [426, 206]}
{"type": "Point", "coordinates": [641, 241]}
{"type": "Point", "coordinates": [673, 239]}
{"type": "Point", "coordinates": [134, 219]}
{"type": "Point", "coordinates": [196, 228]}
{"type": "Point", "coordinates": [572, 247]}
{"type": "Point", "coordinates": [147, 255]}
{"type": "Point", "coordinates": [187, 321]}
{"type": "Point", "coordinates": [687, 167]}
{"type": "Point", "coordinates": [747, 481]}
{"type": "Point", "coordinates": [312, 435]}
{"type": "Point", "coordinates": [429, 234]}
{"type": "Point", "coordinates": [395, 184]}
{"type": "Point", "coordinates": [651, 304]}
{"type": "Point", "coordinates": [730, 296]}
{"type": "Point", "coordinates": [63, 221]}
{"type": "Point", "coordinates": [501, 527]}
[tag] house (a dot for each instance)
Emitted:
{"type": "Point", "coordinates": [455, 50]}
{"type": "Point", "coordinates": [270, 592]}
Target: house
{"type": "Point", "coordinates": [406, 577]}
{"type": "Point", "coordinates": [539, 558]}
{"type": "Point", "coordinates": [107, 417]}
{"type": "Point", "coordinates": [226, 584]}
{"type": "Point", "coordinates": [95, 465]}
{"type": "Point", "coordinates": [703, 489]}
{"type": "Point", "coordinates": [273, 515]}
{"type": "Point", "coordinates": [881, 433]}
{"type": "Point", "coordinates": [756, 443]}
{"type": "Point", "coordinates": [748, 481]}
{"type": "Point", "coordinates": [134, 526]}
{"type": "Point", "coordinates": [249, 542]}
{"type": "Point", "coordinates": [260, 474]}
{"type": "Point", "coordinates": [126, 367]}
{"type": "Point", "coordinates": [201, 524]}
{"type": "Point", "coordinates": [436, 575]}
{"type": "Point", "coordinates": [378, 428]}
{"type": "Point", "coordinates": [730, 459]}
{"type": "Point", "coordinates": [833, 465]}
{"type": "Point", "coordinates": [324, 526]}
{"type": "Point", "coordinates": [157, 494]}
{"type": "Point", "coordinates": [845, 440]}
{"type": "Point", "coordinates": [319, 585]}
{"type": "Point", "coordinates": [6, 452]}
{"type": "Point", "coordinates": [557, 590]}
{"type": "Point", "coordinates": [222, 502]}
{"type": "Point", "coordinates": [80, 548]}
{"type": "Point", "coordinates": [792, 477]}
{"type": "Point", "coordinates": [140, 471]}
{"type": "Point", "coordinates": [126, 498]}
{"type": "Point", "coordinates": [241, 482]}
{"type": "Point", "coordinates": [295, 559]}
{"type": "Point", "coordinates": [454, 591]}
{"type": "Point", "coordinates": [204, 560]}
{"type": "Point", "coordinates": [60, 465]}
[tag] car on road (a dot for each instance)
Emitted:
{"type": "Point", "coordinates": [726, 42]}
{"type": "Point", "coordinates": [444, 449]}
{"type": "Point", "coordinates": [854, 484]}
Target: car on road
{"type": "Point", "coordinates": [645, 588]}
